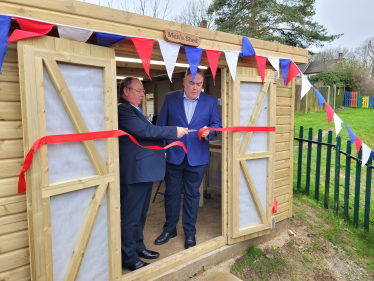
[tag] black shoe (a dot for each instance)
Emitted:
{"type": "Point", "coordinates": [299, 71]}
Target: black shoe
{"type": "Point", "coordinates": [189, 242]}
{"type": "Point", "coordinates": [136, 266]}
{"type": "Point", "coordinates": [165, 236]}
{"type": "Point", "coordinates": [148, 254]}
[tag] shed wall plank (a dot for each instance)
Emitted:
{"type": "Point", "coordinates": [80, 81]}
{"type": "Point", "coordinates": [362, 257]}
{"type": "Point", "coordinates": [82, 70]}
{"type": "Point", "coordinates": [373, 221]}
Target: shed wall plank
{"type": "Point", "coordinates": [11, 149]}
{"type": "Point", "coordinates": [10, 167]}
{"type": "Point", "coordinates": [10, 111]}
{"type": "Point", "coordinates": [283, 111]}
{"type": "Point", "coordinates": [14, 259]}
{"type": "Point", "coordinates": [14, 241]}
{"type": "Point", "coordinates": [9, 91]}
{"type": "Point", "coordinates": [12, 205]}
{"type": "Point", "coordinates": [18, 274]}
{"type": "Point", "coordinates": [13, 223]}
{"type": "Point", "coordinates": [10, 130]}
{"type": "Point", "coordinates": [8, 187]}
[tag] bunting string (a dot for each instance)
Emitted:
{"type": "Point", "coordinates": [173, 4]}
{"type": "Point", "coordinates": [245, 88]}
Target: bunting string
{"type": "Point", "coordinates": [32, 28]}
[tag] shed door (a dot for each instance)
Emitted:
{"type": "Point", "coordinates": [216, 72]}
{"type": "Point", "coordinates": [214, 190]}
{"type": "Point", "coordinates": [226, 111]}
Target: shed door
{"type": "Point", "coordinates": [72, 188]}
{"type": "Point", "coordinates": [251, 155]}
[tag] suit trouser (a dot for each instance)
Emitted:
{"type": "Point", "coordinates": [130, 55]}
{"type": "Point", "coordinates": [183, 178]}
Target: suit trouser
{"type": "Point", "coordinates": [192, 177]}
{"type": "Point", "coordinates": [135, 200]}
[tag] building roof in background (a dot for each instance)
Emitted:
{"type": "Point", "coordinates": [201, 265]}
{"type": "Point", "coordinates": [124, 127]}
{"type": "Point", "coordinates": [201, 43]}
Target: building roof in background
{"type": "Point", "coordinates": [319, 66]}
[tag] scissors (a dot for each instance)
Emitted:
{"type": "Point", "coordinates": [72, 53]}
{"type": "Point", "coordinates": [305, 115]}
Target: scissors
{"type": "Point", "coordinates": [191, 130]}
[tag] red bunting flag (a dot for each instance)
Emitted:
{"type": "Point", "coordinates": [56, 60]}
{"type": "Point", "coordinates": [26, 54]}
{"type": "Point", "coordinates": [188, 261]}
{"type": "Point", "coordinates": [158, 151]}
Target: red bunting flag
{"type": "Point", "coordinates": [330, 113]}
{"type": "Point", "coordinates": [30, 28]}
{"type": "Point", "coordinates": [358, 143]}
{"type": "Point", "coordinates": [292, 72]}
{"type": "Point", "coordinates": [213, 57]}
{"type": "Point", "coordinates": [144, 48]}
{"type": "Point", "coordinates": [261, 64]}
{"type": "Point", "coordinates": [275, 207]}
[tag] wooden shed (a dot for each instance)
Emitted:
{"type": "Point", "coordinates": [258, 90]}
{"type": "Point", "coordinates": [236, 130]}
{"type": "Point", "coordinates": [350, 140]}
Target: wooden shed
{"type": "Point", "coordinates": [56, 230]}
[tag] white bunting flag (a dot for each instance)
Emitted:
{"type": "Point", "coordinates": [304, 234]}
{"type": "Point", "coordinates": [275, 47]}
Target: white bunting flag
{"type": "Point", "coordinates": [305, 85]}
{"type": "Point", "coordinates": [338, 124]}
{"type": "Point", "coordinates": [232, 61]}
{"type": "Point", "coordinates": [73, 33]}
{"type": "Point", "coordinates": [170, 53]}
{"type": "Point", "coordinates": [275, 63]}
{"type": "Point", "coordinates": [365, 154]}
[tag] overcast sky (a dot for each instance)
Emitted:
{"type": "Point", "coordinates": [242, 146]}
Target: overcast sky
{"type": "Point", "coordinates": [353, 18]}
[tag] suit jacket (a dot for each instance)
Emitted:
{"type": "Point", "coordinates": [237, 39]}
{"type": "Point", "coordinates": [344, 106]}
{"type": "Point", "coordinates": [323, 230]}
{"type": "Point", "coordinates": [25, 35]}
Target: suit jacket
{"type": "Point", "coordinates": [138, 164]}
{"type": "Point", "coordinates": [206, 113]}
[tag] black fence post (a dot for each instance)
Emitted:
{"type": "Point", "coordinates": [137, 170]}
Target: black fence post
{"type": "Point", "coordinates": [308, 162]}
{"type": "Point", "coordinates": [300, 158]}
{"type": "Point", "coordinates": [318, 164]}
{"type": "Point", "coordinates": [367, 195]}
{"type": "Point", "coordinates": [337, 175]}
{"type": "Point", "coordinates": [347, 179]}
{"type": "Point", "coordinates": [328, 168]}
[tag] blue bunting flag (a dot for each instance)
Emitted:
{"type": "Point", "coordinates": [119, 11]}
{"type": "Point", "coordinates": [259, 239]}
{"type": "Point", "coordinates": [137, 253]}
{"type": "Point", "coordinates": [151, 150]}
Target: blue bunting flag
{"type": "Point", "coordinates": [4, 31]}
{"type": "Point", "coordinates": [107, 40]}
{"type": "Point", "coordinates": [285, 65]}
{"type": "Point", "coordinates": [352, 135]}
{"type": "Point", "coordinates": [321, 100]}
{"type": "Point", "coordinates": [193, 56]}
{"type": "Point", "coordinates": [247, 48]}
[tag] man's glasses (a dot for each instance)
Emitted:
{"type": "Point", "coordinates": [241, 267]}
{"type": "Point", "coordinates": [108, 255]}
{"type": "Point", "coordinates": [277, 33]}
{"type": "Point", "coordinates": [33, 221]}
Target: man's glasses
{"type": "Point", "coordinates": [196, 84]}
{"type": "Point", "coordinates": [138, 91]}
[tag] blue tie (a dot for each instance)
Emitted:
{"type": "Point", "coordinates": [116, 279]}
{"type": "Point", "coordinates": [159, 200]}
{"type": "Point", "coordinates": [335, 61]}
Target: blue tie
{"type": "Point", "coordinates": [140, 111]}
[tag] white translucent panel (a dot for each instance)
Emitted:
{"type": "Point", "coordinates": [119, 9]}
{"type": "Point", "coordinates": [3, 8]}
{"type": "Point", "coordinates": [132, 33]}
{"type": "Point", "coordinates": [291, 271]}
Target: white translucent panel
{"type": "Point", "coordinates": [68, 211]}
{"type": "Point", "coordinates": [69, 161]}
{"type": "Point", "coordinates": [248, 96]}
{"type": "Point", "coordinates": [248, 215]}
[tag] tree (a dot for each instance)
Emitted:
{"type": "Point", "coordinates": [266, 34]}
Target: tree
{"type": "Point", "coordinates": [287, 22]}
{"type": "Point", "coordinates": [337, 78]}
{"type": "Point", "coordinates": [194, 11]}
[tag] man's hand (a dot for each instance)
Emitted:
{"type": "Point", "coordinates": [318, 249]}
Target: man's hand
{"type": "Point", "coordinates": [205, 133]}
{"type": "Point", "coordinates": [181, 132]}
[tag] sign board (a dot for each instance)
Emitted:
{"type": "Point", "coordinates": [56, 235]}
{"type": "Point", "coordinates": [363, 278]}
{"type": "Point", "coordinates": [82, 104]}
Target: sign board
{"type": "Point", "coordinates": [176, 36]}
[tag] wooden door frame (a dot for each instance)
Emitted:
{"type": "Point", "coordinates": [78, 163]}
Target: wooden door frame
{"type": "Point", "coordinates": [33, 54]}
{"type": "Point", "coordinates": [234, 233]}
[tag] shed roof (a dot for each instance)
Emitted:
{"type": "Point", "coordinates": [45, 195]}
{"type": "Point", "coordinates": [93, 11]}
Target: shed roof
{"type": "Point", "coordinates": [108, 20]}
{"type": "Point", "coordinates": [319, 66]}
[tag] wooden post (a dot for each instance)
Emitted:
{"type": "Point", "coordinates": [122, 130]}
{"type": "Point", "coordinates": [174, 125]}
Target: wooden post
{"type": "Point", "coordinates": [367, 195]}
{"type": "Point", "coordinates": [337, 175]}
{"type": "Point", "coordinates": [347, 178]}
{"type": "Point", "coordinates": [357, 190]}
{"type": "Point", "coordinates": [328, 168]}
{"type": "Point", "coordinates": [318, 165]}
{"type": "Point", "coordinates": [308, 161]}
{"type": "Point", "coordinates": [300, 158]}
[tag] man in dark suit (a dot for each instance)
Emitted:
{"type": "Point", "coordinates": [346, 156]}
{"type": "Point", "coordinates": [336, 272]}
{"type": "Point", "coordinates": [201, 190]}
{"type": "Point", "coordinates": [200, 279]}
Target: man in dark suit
{"type": "Point", "coordinates": [139, 168]}
{"type": "Point", "coordinates": [194, 109]}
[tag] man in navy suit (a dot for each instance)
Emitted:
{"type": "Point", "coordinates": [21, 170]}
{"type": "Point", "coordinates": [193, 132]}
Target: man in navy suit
{"type": "Point", "coordinates": [139, 168]}
{"type": "Point", "coordinates": [194, 109]}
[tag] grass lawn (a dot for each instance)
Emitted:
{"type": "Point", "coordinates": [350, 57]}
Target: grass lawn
{"type": "Point", "coordinates": [361, 121]}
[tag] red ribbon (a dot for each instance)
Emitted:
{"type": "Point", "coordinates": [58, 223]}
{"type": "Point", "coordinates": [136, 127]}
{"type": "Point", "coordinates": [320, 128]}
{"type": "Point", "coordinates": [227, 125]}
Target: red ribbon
{"type": "Point", "coordinates": [275, 206]}
{"type": "Point", "coordinates": [238, 129]}
{"type": "Point", "coordinates": [78, 137]}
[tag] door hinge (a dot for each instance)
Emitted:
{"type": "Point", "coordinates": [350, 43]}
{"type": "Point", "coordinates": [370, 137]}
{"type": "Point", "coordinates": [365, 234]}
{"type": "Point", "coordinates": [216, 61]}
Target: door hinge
{"type": "Point", "coordinates": [273, 223]}
{"type": "Point", "coordinates": [227, 232]}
